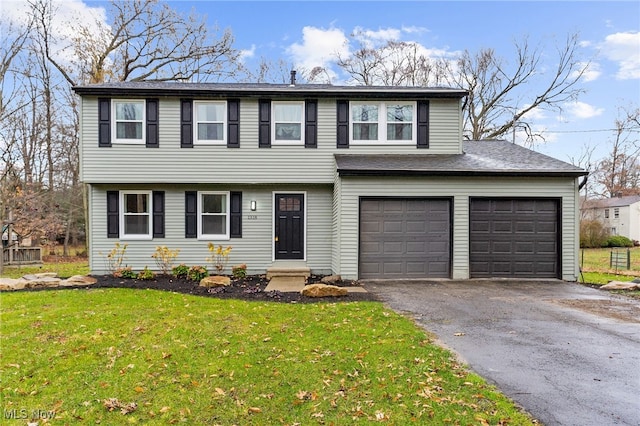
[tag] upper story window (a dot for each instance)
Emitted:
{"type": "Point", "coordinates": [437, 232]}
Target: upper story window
{"type": "Point", "coordinates": [210, 118]}
{"type": "Point", "coordinates": [213, 215]}
{"type": "Point", "coordinates": [616, 213]}
{"type": "Point", "coordinates": [135, 219]}
{"type": "Point", "coordinates": [128, 121]}
{"type": "Point", "coordinates": [288, 123]}
{"type": "Point", "coordinates": [383, 122]}
{"type": "Point", "coordinates": [606, 213]}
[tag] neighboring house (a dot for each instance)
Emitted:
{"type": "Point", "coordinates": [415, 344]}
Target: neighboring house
{"type": "Point", "coordinates": [366, 182]}
{"type": "Point", "coordinates": [619, 215]}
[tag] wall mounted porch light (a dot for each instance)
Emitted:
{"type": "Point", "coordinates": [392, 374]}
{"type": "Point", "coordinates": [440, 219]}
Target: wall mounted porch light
{"type": "Point", "coordinates": [254, 205]}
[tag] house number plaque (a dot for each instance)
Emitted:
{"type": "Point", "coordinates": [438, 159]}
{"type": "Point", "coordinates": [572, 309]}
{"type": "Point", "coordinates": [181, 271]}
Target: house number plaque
{"type": "Point", "coordinates": [252, 217]}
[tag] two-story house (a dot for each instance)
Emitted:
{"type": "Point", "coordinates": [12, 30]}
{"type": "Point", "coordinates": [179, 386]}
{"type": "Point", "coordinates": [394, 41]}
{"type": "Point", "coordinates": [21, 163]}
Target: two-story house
{"type": "Point", "coordinates": [366, 182]}
{"type": "Point", "coordinates": [619, 215]}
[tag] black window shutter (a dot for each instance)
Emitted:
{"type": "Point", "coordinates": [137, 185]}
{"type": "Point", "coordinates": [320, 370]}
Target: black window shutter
{"type": "Point", "coordinates": [113, 216]}
{"type": "Point", "coordinates": [158, 214]}
{"type": "Point", "coordinates": [191, 214]}
{"type": "Point", "coordinates": [186, 123]}
{"type": "Point", "coordinates": [342, 113]}
{"type": "Point", "coordinates": [235, 215]}
{"type": "Point", "coordinates": [153, 140]}
{"type": "Point", "coordinates": [233, 123]}
{"type": "Point", "coordinates": [104, 122]}
{"type": "Point", "coordinates": [311, 123]}
{"type": "Point", "coordinates": [264, 123]}
{"type": "Point", "coordinates": [423, 124]}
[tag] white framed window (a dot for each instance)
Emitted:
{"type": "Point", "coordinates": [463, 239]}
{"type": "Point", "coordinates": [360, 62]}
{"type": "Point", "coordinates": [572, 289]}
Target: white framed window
{"type": "Point", "coordinates": [288, 123]}
{"type": "Point", "coordinates": [128, 121]}
{"type": "Point", "coordinates": [135, 215]}
{"type": "Point", "coordinates": [606, 213]}
{"type": "Point", "coordinates": [616, 213]}
{"type": "Point", "coordinates": [213, 215]}
{"type": "Point", "coordinates": [210, 122]}
{"type": "Point", "coordinates": [392, 123]}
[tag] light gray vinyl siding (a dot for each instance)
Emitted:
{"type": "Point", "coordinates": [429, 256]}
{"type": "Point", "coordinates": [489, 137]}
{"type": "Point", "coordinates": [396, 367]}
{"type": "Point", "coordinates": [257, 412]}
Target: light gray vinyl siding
{"type": "Point", "coordinates": [254, 248]}
{"type": "Point", "coordinates": [245, 165]}
{"type": "Point", "coordinates": [460, 189]}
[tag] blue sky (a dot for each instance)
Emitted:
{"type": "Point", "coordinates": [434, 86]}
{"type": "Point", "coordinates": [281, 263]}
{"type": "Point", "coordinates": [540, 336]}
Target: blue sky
{"type": "Point", "coordinates": [308, 33]}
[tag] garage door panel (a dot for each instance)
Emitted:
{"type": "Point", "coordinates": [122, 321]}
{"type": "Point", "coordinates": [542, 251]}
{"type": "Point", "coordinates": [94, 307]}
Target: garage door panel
{"type": "Point", "coordinates": [392, 226]}
{"type": "Point", "coordinates": [414, 236]}
{"type": "Point", "coordinates": [522, 241]}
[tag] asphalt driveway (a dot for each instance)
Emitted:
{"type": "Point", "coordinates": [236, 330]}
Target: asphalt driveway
{"type": "Point", "coordinates": [568, 354]}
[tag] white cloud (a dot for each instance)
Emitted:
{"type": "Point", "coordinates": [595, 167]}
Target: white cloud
{"type": "Point", "coordinates": [372, 38]}
{"type": "Point", "coordinates": [68, 15]}
{"type": "Point", "coordinates": [319, 47]}
{"type": "Point", "coordinates": [592, 73]}
{"type": "Point", "coordinates": [248, 53]}
{"type": "Point", "coordinates": [624, 48]}
{"type": "Point", "coordinates": [583, 110]}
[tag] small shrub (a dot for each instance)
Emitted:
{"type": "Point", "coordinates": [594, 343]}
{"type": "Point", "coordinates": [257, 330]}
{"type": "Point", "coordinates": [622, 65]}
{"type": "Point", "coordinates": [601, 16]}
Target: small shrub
{"type": "Point", "coordinates": [164, 258]}
{"type": "Point", "coordinates": [146, 274]}
{"type": "Point", "coordinates": [125, 272]}
{"type": "Point", "coordinates": [619, 241]}
{"type": "Point", "coordinates": [239, 271]}
{"type": "Point", "coordinates": [180, 271]}
{"type": "Point", "coordinates": [197, 272]}
{"type": "Point", "coordinates": [115, 258]}
{"type": "Point", "coordinates": [219, 257]}
{"type": "Point", "coordinates": [593, 234]}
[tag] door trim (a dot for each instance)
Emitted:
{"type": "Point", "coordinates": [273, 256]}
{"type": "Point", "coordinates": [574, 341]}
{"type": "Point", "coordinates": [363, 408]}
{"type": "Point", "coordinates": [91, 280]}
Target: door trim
{"type": "Point", "coordinates": [273, 223]}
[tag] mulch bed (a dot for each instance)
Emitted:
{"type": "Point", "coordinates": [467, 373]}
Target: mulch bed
{"type": "Point", "coordinates": [249, 288]}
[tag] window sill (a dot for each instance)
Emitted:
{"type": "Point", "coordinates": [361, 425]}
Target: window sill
{"type": "Point", "coordinates": [383, 143]}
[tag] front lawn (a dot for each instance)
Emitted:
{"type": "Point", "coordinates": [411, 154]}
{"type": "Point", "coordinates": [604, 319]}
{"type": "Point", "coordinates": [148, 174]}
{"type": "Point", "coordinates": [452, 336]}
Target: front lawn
{"type": "Point", "coordinates": [117, 356]}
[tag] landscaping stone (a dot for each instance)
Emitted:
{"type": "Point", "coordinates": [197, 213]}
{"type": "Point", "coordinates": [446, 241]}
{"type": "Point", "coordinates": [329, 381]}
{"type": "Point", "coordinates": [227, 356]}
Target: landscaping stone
{"type": "Point", "coordinates": [42, 282]}
{"type": "Point", "coordinates": [12, 283]}
{"type": "Point", "coordinates": [215, 281]}
{"type": "Point", "coordinates": [620, 285]}
{"type": "Point", "coordinates": [331, 279]}
{"type": "Point", "coordinates": [323, 290]}
{"type": "Point", "coordinates": [78, 280]}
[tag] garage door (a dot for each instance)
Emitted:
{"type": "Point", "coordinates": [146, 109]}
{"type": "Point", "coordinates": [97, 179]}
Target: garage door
{"type": "Point", "coordinates": [405, 238]}
{"type": "Point", "coordinates": [514, 238]}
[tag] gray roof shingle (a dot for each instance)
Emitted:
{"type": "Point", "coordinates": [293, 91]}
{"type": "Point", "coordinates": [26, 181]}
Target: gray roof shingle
{"type": "Point", "coordinates": [148, 88]}
{"type": "Point", "coordinates": [479, 158]}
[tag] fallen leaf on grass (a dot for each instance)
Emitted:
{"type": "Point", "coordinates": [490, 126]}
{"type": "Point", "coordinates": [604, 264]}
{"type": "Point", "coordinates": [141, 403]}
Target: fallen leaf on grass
{"type": "Point", "coordinates": [254, 410]}
{"type": "Point", "coordinates": [113, 404]}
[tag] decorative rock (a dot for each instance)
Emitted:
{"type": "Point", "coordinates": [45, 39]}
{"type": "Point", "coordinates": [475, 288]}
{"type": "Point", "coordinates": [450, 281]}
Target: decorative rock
{"type": "Point", "coordinates": [620, 285]}
{"type": "Point", "coordinates": [35, 277]}
{"type": "Point", "coordinates": [331, 279]}
{"type": "Point", "coordinates": [78, 280]}
{"type": "Point", "coordinates": [12, 283]}
{"type": "Point", "coordinates": [323, 290]}
{"type": "Point", "coordinates": [42, 282]}
{"type": "Point", "coordinates": [215, 281]}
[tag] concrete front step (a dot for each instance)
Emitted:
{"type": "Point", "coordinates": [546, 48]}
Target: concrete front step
{"type": "Point", "coordinates": [288, 269]}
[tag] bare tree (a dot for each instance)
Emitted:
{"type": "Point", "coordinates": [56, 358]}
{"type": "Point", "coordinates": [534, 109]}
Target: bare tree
{"type": "Point", "coordinates": [619, 173]}
{"type": "Point", "coordinates": [500, 96]}
{"type": "Point", "coordinates": [500, 93]}
{"type": "Point", "coordinates": [396, 63]}
{"type": "Point", "coordinates": [147, 41]}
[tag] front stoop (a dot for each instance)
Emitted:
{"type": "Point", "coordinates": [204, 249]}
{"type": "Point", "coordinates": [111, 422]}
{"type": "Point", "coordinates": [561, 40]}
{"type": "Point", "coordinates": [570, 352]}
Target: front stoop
{"type": "Point", "coordinates": [288, 269]}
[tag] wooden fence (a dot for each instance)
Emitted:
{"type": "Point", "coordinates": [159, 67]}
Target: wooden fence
{"type": "Point", "coordinates": [22, 255]}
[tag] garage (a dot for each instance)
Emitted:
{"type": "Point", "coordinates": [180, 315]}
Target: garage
{"type": "Point", "coordinates": [404, 238]}
{"type": "Point", "coordinates": [514, 237]}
